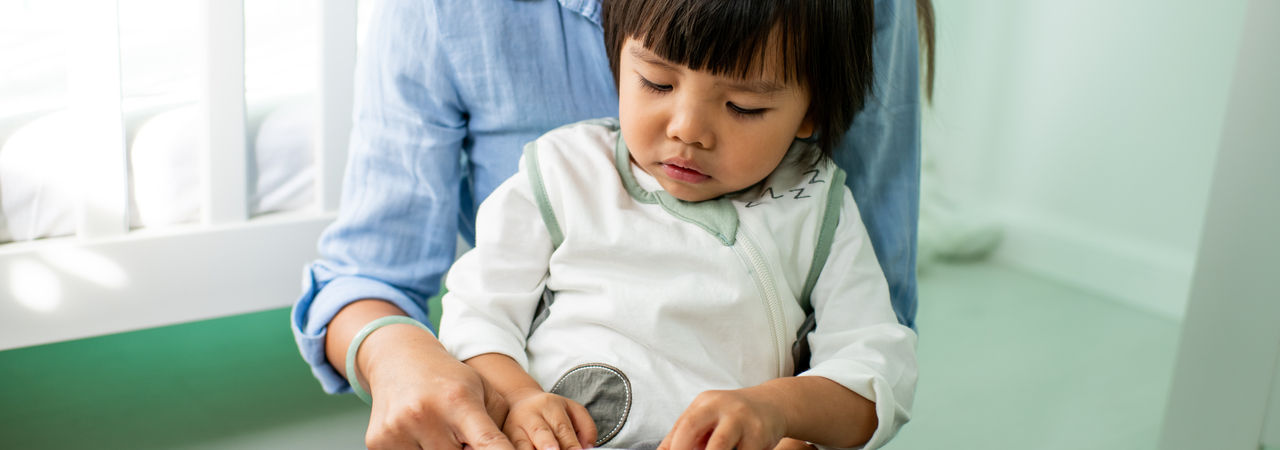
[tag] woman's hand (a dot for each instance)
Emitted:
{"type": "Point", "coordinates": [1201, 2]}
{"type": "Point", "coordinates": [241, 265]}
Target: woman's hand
{"type": "Point", "coordinates": [422, 396]}
{"type": "Point", "coordinates": [724, 420]}
{"type": "Point", "coordinates": [425, 398]}
{"type": "Point", "coordinates": [545, 421]}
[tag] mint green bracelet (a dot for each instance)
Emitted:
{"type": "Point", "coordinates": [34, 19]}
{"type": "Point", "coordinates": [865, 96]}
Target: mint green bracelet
{"type": "Point", "coordinates": [355, 346]}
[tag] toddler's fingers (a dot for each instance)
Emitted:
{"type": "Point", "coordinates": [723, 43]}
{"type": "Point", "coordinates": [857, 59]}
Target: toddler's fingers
{"type": "Point", "coordinates": [726, 436]}
{"type": "Point", "coordinates": [583, 423]}
{"type": "Point", "coordinates": [793, 444]}
{"type": "Point", "coordinates": [542, 437]}
{"type": "Point", "coordinates": [754, 438]}
{"type": "Point", "coordinates": [563, 428]}
{"type": "Point", "coordinates": [519, 438]}
{"type": "Point", "coordinates": [690, 431]}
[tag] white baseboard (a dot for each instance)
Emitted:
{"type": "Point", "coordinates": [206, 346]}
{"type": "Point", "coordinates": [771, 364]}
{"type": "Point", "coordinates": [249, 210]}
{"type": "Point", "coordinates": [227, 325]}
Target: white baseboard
{"type": "Point", "coordinates": [1146, 277]}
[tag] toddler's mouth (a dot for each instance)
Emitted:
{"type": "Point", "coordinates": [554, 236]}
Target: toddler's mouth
{"type": "Point", "coordinates": [680, 169]}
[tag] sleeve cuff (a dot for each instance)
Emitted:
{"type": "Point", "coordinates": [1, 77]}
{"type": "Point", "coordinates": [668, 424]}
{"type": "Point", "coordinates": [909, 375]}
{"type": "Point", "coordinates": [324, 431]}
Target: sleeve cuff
{"type": "Point", "coordinates": [892, 411]}
{"type": "Point", "coordinates": [466, 339]}
{"type": "Point", "coordinates": [315, 309]}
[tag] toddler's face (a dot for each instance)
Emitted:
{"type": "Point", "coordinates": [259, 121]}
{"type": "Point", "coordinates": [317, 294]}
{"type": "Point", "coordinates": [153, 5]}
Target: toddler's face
{"type": "Point", "coordinates": [703, 135]}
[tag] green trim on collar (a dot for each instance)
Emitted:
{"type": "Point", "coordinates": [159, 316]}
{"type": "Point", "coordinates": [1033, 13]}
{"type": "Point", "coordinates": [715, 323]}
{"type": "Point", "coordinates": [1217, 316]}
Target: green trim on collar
{"type": "Point", "coordinates": [717, 216]}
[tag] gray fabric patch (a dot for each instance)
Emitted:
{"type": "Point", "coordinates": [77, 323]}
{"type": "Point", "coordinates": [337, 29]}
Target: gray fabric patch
{"type": "Point", "coordinates": [604, 391]}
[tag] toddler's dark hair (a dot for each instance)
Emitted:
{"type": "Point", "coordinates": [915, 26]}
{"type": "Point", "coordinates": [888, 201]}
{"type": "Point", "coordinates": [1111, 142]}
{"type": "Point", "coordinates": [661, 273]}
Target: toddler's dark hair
{"type": "Point", "coordinates": [825, 45]}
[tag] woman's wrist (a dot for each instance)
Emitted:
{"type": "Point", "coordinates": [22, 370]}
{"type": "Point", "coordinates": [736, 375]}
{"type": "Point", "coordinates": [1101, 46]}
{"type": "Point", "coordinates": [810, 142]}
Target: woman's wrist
{"type": "Point", "coordinates": [347, 323]}
{"type": "Point", "coordinates": [393, 345]}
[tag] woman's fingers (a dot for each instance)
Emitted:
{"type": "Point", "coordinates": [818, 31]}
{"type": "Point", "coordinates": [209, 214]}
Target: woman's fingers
{"type": "Point", "coordinates": [468, 427]}
{"type": "Point", "coordinates": [377, 437]}
{"type": "Point", "coordinates": [426, 425]}
{"type": "Point", "coordinates": [475, 428]}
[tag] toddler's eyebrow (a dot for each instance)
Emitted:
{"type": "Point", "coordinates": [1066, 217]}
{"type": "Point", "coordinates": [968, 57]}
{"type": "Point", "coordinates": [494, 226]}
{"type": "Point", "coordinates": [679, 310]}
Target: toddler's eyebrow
{"type": "Point", "coordinates": [645, 55]}
{"type": "Point", "coordinates": [762, 87]}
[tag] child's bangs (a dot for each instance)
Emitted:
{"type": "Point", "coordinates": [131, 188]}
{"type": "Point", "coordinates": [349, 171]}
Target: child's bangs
{"type": "Point", "coordinates": [724, 37]}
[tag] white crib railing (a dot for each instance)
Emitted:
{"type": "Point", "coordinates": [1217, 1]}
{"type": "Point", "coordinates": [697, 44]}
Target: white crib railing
{"type": "Point", "coordinates": [223, 136]}
{"type": "Point", "coordinates": [337, 60]}
{"type": "Point", "coordinates": [94, 84]}
{"type": "Point", "coordinates": [109, 279]}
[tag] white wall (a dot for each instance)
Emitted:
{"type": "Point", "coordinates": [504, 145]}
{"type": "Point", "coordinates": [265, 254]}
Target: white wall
{"type": "Point", "coordinates": [1089, 129]}
{"type": "Point", "coordinates": [1228, 350]}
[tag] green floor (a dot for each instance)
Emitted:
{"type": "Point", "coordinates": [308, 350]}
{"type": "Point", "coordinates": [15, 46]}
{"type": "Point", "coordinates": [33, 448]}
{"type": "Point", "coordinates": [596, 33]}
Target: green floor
{"type": "Point", "coordinates": [1011, 361]}
{"type": "Point", "coordinates": [1008, 361]}
{"type": "Point", "coordinates": [161, 388]}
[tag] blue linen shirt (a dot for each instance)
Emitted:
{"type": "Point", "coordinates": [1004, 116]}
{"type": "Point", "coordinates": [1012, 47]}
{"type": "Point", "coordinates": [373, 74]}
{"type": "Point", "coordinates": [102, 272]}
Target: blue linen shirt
{"type": "Point", "coordinates": [448, 92]}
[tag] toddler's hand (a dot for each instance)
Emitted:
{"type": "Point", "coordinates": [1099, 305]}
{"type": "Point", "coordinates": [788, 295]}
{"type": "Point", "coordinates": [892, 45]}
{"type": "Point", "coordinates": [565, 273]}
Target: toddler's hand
{"type": "Point", "coordinates": [794, 444]}
{"type": "Point", "coordinates": [726, 420]}
{"type": "Point", "coordinates": [545, 421]}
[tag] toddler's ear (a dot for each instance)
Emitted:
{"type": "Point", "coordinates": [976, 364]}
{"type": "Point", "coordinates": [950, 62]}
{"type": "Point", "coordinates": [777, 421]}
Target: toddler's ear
{"type": "Point", "coordinates": [806, 128]}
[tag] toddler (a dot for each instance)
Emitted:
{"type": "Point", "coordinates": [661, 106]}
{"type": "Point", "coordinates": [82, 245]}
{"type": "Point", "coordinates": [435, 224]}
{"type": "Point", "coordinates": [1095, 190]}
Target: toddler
{"type": "Point", "coordinates": [645, 279]}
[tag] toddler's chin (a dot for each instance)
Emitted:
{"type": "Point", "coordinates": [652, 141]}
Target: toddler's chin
{"type": "Point", "coordinates": [690, 195]}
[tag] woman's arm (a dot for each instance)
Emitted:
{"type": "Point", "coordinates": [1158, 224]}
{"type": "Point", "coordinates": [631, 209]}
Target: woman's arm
{"type": "Point", "coordinates": [396, 230]}
{"type": "Point", "coordinates": [881, 152]}
{"type": "Point", "coordinates": [392, 240]}
{"type": "Point", "coordinates": [421, 395]}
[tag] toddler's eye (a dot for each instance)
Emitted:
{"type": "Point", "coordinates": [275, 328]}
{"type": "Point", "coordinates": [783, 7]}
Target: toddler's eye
{"type": "Point", "coordinates": [745, 111]}
{"type": "Point", "coordinates": [654, 87]}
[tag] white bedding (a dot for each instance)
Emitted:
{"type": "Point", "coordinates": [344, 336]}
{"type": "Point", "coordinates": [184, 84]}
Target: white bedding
{"type": "Point", "coordinates": [38, 193]}
{"type": "Point", "coordinates": [159, 48]}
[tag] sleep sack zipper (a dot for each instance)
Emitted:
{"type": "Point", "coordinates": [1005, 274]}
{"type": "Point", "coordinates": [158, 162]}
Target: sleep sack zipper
{"type": "Point", "coordinates": [764, 282]}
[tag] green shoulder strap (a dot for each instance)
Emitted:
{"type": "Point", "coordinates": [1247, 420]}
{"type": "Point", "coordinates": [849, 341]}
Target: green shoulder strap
{"type": "Point", "coordinates": [830, 219]}
{"type": "Point", "coordinates": [543, 309]}
{"type": "Point", "coordinates": [540, 194]}
{"type": "Point", "coordinates": [822, 249]}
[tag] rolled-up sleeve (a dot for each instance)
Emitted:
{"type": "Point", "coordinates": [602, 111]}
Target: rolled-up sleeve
{"type": "Point", "coordinates": [395, 234]}
{"type": "Point", "coordinates": [494, 289]}
{"type": "Point", "coordinates": [858, 341]}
